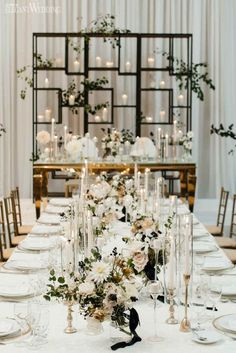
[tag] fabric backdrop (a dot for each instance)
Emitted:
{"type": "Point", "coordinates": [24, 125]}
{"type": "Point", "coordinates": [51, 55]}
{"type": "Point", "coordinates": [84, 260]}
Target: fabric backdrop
{"type": "Point", "coordinates": [213, 25]}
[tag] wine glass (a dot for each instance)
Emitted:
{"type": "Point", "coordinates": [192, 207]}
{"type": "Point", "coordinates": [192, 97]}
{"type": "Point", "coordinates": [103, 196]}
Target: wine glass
{"type": "Point", "coordinates": [214, 294]}
{"type": "Point", "coordinates": [154, 288]}
{"type": "Point", "coordinates": [197, 305]}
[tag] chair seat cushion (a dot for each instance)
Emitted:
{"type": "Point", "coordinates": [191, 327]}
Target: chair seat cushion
{"type": "Point", "coordinates": [225, 242]}
{"type": "Point", "coordinates": [214, 230]}
{"type": "Point", "coordinates": [26, 229]}
{"type": "Point", "coordinates": [16, 240]}
{"type": "Point", "coordinates": [7, 253]}
{"type": "Point", "coordinates": [231, 253]}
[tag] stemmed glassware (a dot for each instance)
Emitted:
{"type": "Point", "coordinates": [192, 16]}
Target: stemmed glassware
{"type": "Point", "coordinates": [214, 294]}
{"type": "Point", "coordinates": [154, 288]}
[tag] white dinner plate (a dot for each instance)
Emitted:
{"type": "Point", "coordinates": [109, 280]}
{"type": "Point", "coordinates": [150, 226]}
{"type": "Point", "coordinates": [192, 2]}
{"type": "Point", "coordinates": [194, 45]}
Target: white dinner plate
{"type": "Point", "coordinates": [210, 337]}
{"type": "Point", "coordinates": [55, 210]}
{"type": "Point", "coordinates": [8, 327]}
{"type": "Point", "coordinates": [204, 247]}
{"type": "Point", "coordinates": [43, 229]}
{"type": "Point", "coordinates": [35, 244]}
{"type": "Point", "coordinates": [61, 202]}
{"type": "Point", "coordinates": [226, 323]}
{"type": "Point", "coordinates": [49, 219]}
{"type": "Point", "coordinates": [23, 265]}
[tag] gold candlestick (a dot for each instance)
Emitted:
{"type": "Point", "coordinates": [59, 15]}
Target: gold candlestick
{"type": "Point", "coordinates": [69, 328]}
{"type": "Point", "coordinates": [171, 320]}
{"type": "Point", "coordinates": [185, 323]}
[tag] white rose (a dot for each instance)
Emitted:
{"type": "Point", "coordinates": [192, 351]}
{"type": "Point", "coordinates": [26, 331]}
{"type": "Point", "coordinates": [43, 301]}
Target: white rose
{"type": "Point", "coordinates": [140, 260]}
{"type": "Point", "coordinates": [190, 134]}
{"type": "Point", "coordinates": [86, 288]}
{"type": "Point", "coordinates": [130, 290]}
{"type": "Point", "coordinates": [43, 137]}
{"type": "Point", "coordinates": [100, 209]}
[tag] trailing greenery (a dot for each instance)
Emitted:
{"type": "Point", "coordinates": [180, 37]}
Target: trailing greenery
{"type": "Point", "coordinates": [35, 156]}
{"type": "Point", "coordinates": [80, 96]}
{"type": "Point", "coordinates": [2, 129]}
{"type": "Point", "coordinates": [222, 132]}
{"type": "Point", "coordinates": [197, 74]}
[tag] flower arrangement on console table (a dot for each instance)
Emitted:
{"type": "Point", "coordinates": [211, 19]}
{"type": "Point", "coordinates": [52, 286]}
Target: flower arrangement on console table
{"type": "Point", "coordinates": [113, 141]}
{"type": "Point", "coordinates": [187, 142]}
{"type": "Point", "coordinates": [105, 289]}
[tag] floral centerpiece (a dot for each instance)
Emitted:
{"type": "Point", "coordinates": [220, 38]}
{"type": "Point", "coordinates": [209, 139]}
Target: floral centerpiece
{"type": "Point", "coordinates": [111, 142]}
{"type": "Point", "coordinates": [187, 141]}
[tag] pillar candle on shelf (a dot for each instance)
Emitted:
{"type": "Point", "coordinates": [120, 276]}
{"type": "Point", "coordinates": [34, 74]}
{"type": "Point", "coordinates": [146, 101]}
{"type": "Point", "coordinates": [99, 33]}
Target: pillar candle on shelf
{"type": "Point", "coordinates": [162, 84]}
{"type": "Point", "coordinates": [109, 64]}
{"type": "Point", "coordinates": [104, 114]}
{"type": "Point", "coordinates": [162, 115]}
{"type": "Point", "coordinates": [58, 62]}
{"type": "Point", "coordinates": [151, 61]}
{"type": "Point", "coordinates": [124, 98]}
{"type": "Point", "coordinates": [97, 118]}
{"type": "Point", "coordinates": [76, 65]}
{"type": "Point", "coordinates": [171, 267]}
{"type": "Point", "coordinates": [174, 131]}
{"type": "Point", "coordinates": [98, 61]}
{"type": "Point", "coordinates": [48, 113]}
{"type": "Point", "coordinates": [52, 129]}
{"type": "Point", "coordinates": [128, 66]}
{"type": "Point", "coordinates": [180, 99]}
{"type": "Point", "coordinates": [40, 118]}
{"type": "Point", "coordinates": [142, 200]}
{"type": "Point", "coordinates": [46, 82]}
{"type": "Point", "coordinates": [166, 146]}
{"type": "Point", "coordinates": [71, 99]}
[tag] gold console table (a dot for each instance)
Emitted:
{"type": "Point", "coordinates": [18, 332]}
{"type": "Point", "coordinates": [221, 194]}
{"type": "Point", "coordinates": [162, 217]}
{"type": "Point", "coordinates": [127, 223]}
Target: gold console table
{"type": "Point", "coordinates": [187, 170]}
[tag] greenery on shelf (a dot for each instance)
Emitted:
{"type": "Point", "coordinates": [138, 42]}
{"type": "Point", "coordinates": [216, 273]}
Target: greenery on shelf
{"type": "Point", "coordinates": [2, 129]}
{"type": "Point", "coordinates": [35, 156]}
{"type": "Point", "coordinates": [80, 96]}
{"type": "Point", "coordinates": [197, 73]}
{"type": "Point", "coordinates": [222, 132]}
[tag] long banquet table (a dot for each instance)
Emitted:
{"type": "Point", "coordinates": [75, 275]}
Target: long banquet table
{"type": "Point", "coordinates": [174, 340]}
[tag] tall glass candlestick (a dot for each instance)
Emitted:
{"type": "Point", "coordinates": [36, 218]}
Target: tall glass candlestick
{"type": "Point", "coordinates": [52, 129]}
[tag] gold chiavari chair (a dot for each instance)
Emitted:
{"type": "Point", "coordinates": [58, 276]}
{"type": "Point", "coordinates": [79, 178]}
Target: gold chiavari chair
{"type": "Point", "coordinates": [228, 242]}
{"type": "Point", "coordinates": [217, 229]}
{"type": "Point", "coordinates": [231, 254]}
{"type": "Point", "coordinates": [5, 251]}
{"type": "Point", "coordinates": [13, 237]}
{"type": "Point", "coordinates": [21, 229]}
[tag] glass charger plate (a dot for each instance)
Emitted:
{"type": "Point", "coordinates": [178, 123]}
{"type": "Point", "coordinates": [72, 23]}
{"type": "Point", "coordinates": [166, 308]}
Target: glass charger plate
{"type": "Point", "coordinates": [226, 324]}
{"type": "Point", "coordinates": [8, 327]}
{"type": "Point", "coordinates": [22, 266]}
{"type": "Point", "coordinates": [204, 247]}
{"type": "Point", "coordinates": [22, 332]}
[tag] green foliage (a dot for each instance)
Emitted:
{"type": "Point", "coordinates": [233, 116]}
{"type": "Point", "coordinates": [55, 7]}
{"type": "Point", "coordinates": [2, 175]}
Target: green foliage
{"type": "Point", "coordinates": [80, 96]}
{"type": "Point", "coordinates": [2, 129]}
{"type": "Point", "coordinates": [222, 132]}
{"type": "Point", "coordinates": [34, 156]}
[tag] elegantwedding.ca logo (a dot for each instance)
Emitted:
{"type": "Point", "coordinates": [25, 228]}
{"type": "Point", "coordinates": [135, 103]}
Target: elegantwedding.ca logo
{"type": "Point", "coordinates": [32, 6]}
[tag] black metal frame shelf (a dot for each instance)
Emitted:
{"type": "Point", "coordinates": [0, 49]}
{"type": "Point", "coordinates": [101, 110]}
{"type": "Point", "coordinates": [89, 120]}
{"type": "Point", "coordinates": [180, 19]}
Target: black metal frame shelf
{"type": "Point", "coordinates": [135, 72]}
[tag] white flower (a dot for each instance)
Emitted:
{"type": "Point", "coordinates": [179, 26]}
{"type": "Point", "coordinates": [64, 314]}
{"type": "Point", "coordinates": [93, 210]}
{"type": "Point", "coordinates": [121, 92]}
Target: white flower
{"type": "Point", "coordinates": [130, 290]}
{"type": "Point", "coordinates": [190, 134]}
{"type": "Point", "coordinates": [86, 288]}
{"type": "Point", "coordinates": [100, 271]}
{"type": "Point", "coordinates": [127, 200]}
{"type": "Point", "coordinates": [140, 260]}
{"type": "Point", "coordinates": [73, 148]}
{"type": "Point", "coordinates": [99, 211]}
{"type": "Point", "coordinates": [43, 137]}
{"type": "Point", "coordinates": [129, 184]}
{"type": "Point", "coordinates": [110, 144]}
{"type": "Point", "coordinates": [188, 145]}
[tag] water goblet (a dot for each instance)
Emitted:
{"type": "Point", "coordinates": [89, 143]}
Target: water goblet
{"type": "Point", "coordinates": [154, 288]}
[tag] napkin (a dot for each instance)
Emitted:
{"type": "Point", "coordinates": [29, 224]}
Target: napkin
{"type": "Point", "coordinates": [216, 263]}
{"type": "Point", "coordinates": [43, 229]}
{"type": "Point", "coordinates": [47, 218]}
{"type": "Point", "coordinates": [36, 243]}
{"type": "Point", "coordinates": [61, 202]}
{"type": "Point", "coordinates": [5, 326]}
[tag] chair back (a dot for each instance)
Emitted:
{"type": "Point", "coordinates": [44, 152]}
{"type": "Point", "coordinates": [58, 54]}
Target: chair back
{"type": "Point", "coordinates": [233, 219]}
{"type": "Point", "coordinates": [2, 232]}
{"type": "Point", "coordinates": [16, 194]}
{"type": "Point", "coordinates": [192, 180]}
{"type": "Point", "coordinates": [10, 218]}
{"type": "Point", "coordinates": [222, 209]}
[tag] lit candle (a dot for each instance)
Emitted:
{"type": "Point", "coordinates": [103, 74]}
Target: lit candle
{"type": "Point", "coordinates": [40, 118]}
{"type": "Point", "coordinates": [65, 135]}
{"type": "Point", "coordinates": [90, 232]}
{"type": "Point", "coordinates": [71, 99]}
{"type": "Point", "coordinates": [52, 129]}
{"type": "Point", "coordinates": [55, 146]}
{"type": "Point", "coordinates": [146, 182]}
{"type": "Point", "coordinates": [138, 181]}
{"type": "Point", "coordinates": [187, 250]}
{"type": "Point", "coordinates": [104, 114]}
{"type": "Point", "coordinates": [98, 61]}
{"type": "Point", "coordinates": [180, 99]}
{"type": "Point", "coordinates": [162, 115]}
{"type": "Point", "coordinates": [180, 133]}
{"type": "Point", "coordinates": [109, 64]}
{"type": "Point", "coordinates": [82, 184]}
{"type": "Point", "coordinates": [97, 118]}
{"type": "Point", "coordinates": [142, 202]}
{"type": "Point", "coordinates": [46, 152]}
{"type": "Point", "coordinates": [151, 61]}
{"type": "Point", "coordinates": [48, 113]}
{"type": "Point", "coordinates": [166, 146]}
{"type": "Point", "coordinates": [124, 98]}
{"type": "Point", "coordinates": [159, 138]}
{"type": "Point", "coordinates": [149, 119]}
{"type": "Point", "coordinates": [135, 175]}
{"type": "Point", "coordinates": [171, 266]}
{"type": "Point", "coordinates": [76, 65]}
{"type": "Point", "coordinates": [86, 172]}
{"type": "Point", "coordinates": [46, 82]}
{"type": "Point", "coordinates": [128, 66]}
{"type": "Point", "coordinates": [174, 131]}
{"type": "Point", "coordinates": [58, 62]}
{"type": "Point", "coordinates": [162, 84]}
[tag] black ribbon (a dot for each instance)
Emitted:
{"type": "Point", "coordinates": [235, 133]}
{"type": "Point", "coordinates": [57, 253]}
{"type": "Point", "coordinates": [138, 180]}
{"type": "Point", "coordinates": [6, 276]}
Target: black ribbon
{"type": "Point", "coordinates": [133, 323]}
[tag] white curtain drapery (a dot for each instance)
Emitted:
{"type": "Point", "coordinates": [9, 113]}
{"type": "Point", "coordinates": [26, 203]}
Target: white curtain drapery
{"type": "Point", "coordinates": [212, 23]}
